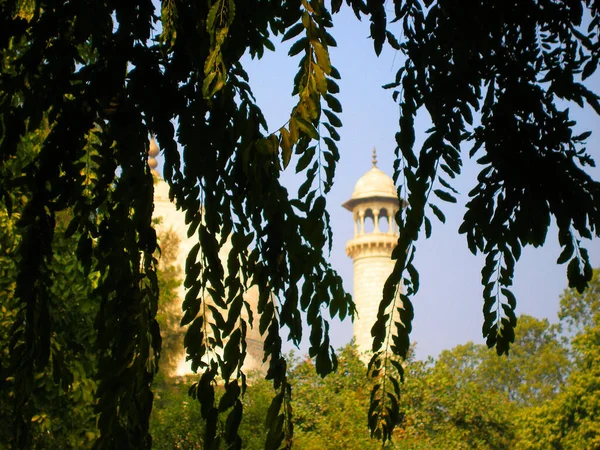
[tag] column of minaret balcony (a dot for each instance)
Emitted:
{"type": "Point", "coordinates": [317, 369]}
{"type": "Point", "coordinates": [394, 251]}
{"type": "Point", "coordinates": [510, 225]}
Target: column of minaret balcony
{"type": "Point", "coordinates": [375, 220]}
{"type": "Point", "coordinates": [361, 219]}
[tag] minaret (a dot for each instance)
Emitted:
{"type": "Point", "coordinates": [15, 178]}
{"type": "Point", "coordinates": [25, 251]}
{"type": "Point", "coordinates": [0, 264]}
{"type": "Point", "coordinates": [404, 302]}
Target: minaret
{"type": "Point", "coordinates": [373, 204]}
{"type": "Point", "coordinates": [172, 219]}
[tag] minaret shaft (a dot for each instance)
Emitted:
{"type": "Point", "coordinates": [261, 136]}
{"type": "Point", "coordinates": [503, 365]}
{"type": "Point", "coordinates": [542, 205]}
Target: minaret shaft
{"type": "Point", "coordinates": [372, 273]}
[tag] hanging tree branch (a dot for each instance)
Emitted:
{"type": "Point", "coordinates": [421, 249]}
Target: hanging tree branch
{"type": "Point", "coordinates": [93, 75]}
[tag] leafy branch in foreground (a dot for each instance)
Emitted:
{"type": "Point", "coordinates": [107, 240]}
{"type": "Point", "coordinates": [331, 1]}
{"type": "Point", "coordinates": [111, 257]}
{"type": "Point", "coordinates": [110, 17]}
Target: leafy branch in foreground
{"type": "Point", "coordinates": [94, 79]}
{"type": "Point", "coordinates": [509, 62]}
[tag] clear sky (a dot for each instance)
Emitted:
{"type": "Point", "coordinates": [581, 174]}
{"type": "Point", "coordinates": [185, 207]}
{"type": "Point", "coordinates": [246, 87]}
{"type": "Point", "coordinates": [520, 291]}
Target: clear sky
{"type": "Point", "coordinates": [448, 306]}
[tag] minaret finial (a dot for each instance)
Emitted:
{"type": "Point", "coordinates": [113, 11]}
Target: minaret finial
{"type": "Point", "coordinates": [374, 157]}
{"type": "Point", "coordinates": [152, 154]}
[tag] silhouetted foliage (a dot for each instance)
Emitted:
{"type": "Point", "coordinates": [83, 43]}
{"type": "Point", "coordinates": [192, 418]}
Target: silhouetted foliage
{"type": "Point", "coordinates": [92, 80]}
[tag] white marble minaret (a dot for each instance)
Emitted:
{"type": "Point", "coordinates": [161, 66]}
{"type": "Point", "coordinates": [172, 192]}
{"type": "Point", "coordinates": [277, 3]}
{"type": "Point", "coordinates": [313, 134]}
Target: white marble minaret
{"type": "Point", "coordinates": [173, 220]}
{"type": "Point", "coordinates": [373, 204]}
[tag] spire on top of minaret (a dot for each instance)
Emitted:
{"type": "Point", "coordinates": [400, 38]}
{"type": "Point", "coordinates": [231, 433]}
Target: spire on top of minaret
{"type": "Point", "coordinates": [152, 154]}
{"type": "Point", "coordinates": [374, 157]}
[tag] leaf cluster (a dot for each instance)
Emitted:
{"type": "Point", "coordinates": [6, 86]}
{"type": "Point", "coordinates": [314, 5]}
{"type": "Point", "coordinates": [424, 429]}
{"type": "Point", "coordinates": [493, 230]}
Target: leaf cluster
{"type": "Point", "coordinates": [84, 84]}
{"type": "Point", "coordinates": [60, 395]}
{"type": "Point", "coordinates": [490, 75]}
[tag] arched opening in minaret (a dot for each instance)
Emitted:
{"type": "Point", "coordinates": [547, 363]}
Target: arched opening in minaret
{"type": "Point", "coordinates": [369, 222]}
{"type": "Point", "coordinates": [384, 225]}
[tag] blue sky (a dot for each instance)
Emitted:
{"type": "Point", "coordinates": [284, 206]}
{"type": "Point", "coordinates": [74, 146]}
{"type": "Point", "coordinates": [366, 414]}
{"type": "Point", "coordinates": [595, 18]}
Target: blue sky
{"type": "Point", "coordinates": [448, 306]}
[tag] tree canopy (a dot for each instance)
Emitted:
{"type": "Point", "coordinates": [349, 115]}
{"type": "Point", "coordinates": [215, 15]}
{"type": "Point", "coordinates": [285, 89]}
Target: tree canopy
{"type": "Point", "coordinates": [89, 82]}
{"type": "Point", "coordinates": [543, 395]}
